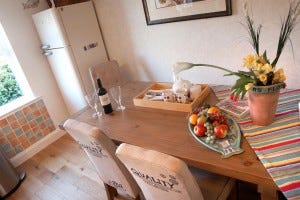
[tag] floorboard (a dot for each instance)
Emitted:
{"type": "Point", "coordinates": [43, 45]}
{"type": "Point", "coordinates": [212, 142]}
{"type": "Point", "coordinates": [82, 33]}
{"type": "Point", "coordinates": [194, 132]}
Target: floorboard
{"type": "Point", "coordinates": [62, 171]}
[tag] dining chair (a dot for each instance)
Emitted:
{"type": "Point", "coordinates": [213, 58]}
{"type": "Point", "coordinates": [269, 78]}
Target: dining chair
{"type": "Point", "coordinates": [161, 176]}
{"type": "Point", "coordinates": [108, 72]}
{"type": "Point", "coordinates": [101, 151]}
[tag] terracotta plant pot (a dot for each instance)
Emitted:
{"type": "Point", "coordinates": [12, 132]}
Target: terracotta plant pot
{"type": "Point", "coordinates": [262, 101]}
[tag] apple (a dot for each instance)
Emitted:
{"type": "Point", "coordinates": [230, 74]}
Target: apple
{"type": "Point", "coordinates": [221, 130]}
{"type": "Point", "coordinates": [199, 130]}
{"type": "Point", "coordinates": [216, 123]}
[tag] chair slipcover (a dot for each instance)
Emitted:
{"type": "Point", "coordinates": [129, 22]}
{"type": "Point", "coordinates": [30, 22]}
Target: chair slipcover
{"type": "Point", "coordinates": [159, 175]}
{"type": "Point", "coordinates": [101, 152]}
{"type": "Point", "coordinates": [108, 72]}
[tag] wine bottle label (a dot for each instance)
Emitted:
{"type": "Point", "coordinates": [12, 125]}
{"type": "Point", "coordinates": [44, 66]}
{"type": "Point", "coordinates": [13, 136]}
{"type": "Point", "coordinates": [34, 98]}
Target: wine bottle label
{"type": "Point", "coordinates": [104, 99]}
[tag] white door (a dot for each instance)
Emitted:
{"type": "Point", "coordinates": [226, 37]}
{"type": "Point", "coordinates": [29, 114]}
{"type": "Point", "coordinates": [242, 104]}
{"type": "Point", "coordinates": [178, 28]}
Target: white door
{"type": "Point", "coordinates": [50, 29]}
{"type": "Point", "coordinates": [63, 69]}
{"type": "Point", "coordinates": [82, 28]}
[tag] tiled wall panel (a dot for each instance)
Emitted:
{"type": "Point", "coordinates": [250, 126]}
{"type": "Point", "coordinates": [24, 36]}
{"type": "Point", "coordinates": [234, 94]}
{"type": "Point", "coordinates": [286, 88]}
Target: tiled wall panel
{"type": "Point", "coordinates": [24, 127]}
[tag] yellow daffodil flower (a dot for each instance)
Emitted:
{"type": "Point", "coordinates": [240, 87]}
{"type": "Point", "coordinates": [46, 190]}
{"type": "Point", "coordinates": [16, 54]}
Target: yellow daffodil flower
{"type": "Point", "coordinates": [249, 61]}
{"type": "Point", "coordinates": [279, 76]}
{"type": "Point", "coordinates": [280, 71]}
{"type": "Point", "coordinates": [263, 78]}
{"type": "Point", "coordinates": [282, 78]}
{"type": "Point", "coordinates": [257, 73]}
{"type": "Point", "coordinates": [249, 86]}
{"type": "Point", "coordinates": [260, 59]}
{"type": "Point", "coordinates": [275, 78]}
{"type": "Point", "coordinates": [267, 68]}
{"type": "Point", "coordinates": [258, 66]}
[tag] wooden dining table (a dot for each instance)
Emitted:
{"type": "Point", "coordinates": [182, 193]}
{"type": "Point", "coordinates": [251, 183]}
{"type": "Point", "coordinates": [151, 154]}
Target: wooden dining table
{"type": "Point", "coordinates": [167, 132]}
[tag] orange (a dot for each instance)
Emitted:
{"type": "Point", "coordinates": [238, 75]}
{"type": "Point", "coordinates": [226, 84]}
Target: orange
{"type": "Point", "coordinates": [213, 110]}
{"type": "Point", "coordinates": [193, 119]}
{"type": "Point", "coordinates": [201, 120]}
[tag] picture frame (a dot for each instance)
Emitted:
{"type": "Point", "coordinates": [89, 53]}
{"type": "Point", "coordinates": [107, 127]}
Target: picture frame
{"type": "Point", "coordinates": [166, 11]}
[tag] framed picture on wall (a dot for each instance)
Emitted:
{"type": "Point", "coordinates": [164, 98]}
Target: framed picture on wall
{"type": "Point", "coordinates": [165, 11]}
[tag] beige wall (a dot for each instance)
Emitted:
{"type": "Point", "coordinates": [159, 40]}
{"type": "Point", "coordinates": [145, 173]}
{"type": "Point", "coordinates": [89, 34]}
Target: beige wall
{"type": "Point", "coordinates": [148, 52]}
{"type": "Point", "coordinates": [23, 37]}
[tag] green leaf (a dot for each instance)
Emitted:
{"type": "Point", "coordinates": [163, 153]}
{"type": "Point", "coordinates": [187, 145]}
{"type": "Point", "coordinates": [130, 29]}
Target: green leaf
{"type": "Point", "coordinates": [230, 74]}
{"type": "Point", "coordinates": [239, 87]}
{"type": "Point", "coordinates": [265, 57]}
{"type": "Point", "coordinates": [250, 73]}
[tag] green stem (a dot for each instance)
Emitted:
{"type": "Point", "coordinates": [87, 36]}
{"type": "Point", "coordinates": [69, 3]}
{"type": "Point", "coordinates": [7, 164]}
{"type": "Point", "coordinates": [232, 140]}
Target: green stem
{"type": "Point", "coordinates": [214, 66]}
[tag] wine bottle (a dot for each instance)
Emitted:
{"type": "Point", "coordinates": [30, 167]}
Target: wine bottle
{"type": "Point", "coordinates": [104, 98]}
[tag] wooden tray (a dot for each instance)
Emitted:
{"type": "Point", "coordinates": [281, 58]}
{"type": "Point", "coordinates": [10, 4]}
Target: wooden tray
{"type": "Point", "coordinates": [189, 107]}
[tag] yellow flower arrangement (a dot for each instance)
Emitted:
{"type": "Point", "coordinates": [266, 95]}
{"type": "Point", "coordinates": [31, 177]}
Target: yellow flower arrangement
{"type": "Point", "coordinates": [261, 72]}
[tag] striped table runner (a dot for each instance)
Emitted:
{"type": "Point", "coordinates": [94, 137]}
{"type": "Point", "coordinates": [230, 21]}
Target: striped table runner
{"type": "Point", "coordinates": [277, 145]}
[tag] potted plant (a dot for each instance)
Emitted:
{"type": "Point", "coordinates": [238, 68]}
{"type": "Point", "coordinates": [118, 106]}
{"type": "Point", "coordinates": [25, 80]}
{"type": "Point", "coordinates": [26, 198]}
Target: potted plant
{"type": "Point", "coordinates": [262, 80]}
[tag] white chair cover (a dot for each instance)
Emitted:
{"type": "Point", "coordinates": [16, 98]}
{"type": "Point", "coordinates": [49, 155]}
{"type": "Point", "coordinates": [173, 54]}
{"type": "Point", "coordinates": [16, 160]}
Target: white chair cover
{"type": "Point", "coordinates": [160, 176]}
{"type": "Point", "coordinates": [108, 72]}
{"type": "Point", "coordinates": [101, 151]}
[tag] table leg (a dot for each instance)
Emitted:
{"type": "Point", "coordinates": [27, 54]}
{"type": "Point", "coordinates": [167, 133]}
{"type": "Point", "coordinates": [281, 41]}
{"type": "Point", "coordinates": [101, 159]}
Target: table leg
{"type": "Point", "coordinates": [267, 193]}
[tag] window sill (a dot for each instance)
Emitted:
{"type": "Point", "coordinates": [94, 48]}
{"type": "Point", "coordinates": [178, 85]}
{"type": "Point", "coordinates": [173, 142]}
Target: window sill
{"type": "Point", "coordinates": [15, 105]}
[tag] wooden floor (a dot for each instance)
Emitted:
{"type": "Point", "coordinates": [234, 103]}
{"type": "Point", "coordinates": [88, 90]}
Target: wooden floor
{"type": "Point", "coordinates": [60, 171]}
{"type": "Point", "coordinates": [63, 171]}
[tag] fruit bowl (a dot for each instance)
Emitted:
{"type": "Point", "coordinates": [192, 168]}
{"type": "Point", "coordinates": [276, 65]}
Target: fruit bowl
{"type": "Point", "coordinates": [216, 130]}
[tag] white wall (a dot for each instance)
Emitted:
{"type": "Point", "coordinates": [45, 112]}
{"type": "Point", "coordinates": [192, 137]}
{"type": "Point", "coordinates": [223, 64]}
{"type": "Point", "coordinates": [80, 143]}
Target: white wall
{"type": "Point", "coordinates": [148, 52]}
{"type": "Point", "coordinates": [24, 39]}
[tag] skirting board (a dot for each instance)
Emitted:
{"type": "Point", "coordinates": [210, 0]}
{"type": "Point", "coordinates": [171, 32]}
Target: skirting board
{"type": "Point", "coordinates": [36, 147]}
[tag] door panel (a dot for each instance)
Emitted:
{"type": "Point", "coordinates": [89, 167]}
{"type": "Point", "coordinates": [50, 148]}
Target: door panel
{"type": "Point", "coordinates": [50, 28]}
{"type": "Point", "coordinates": [67, 79]}
{"type": "Point", "coordinates": [82, 28]}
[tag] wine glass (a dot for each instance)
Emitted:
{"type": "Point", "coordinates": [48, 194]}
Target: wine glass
{"type": "Point", "coordinates": [93, 101]}
{"type": "Point", "coordinates": [116, 94]}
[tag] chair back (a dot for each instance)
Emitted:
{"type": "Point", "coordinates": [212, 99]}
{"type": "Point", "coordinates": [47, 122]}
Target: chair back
{"type": "Point", "coordinates": [160, 176]}
{"type": "Point", "coordinates": [101, 152]}
{"type": "Point", "coordinates": [108, 72]}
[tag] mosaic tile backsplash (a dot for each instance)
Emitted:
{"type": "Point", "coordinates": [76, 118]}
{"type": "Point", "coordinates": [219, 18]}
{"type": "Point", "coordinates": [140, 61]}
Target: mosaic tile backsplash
{"type": "Point", "coordinates": [24, 127]}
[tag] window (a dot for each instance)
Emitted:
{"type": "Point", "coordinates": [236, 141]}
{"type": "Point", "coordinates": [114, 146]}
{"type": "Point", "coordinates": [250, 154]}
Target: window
{"type": "Point", "coordinates": [14, 88]}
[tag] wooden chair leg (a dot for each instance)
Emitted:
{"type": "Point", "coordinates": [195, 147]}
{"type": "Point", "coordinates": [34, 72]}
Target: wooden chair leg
{"type": "Point", "coordinates": [234, 192]}
{"type": "Point", "coordinates": [111, 192]}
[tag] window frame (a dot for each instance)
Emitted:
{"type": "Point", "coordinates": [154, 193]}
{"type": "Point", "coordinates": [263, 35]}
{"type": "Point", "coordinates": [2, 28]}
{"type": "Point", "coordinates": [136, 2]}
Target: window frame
{"type": "Point", "coordinates": [17, 70]}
